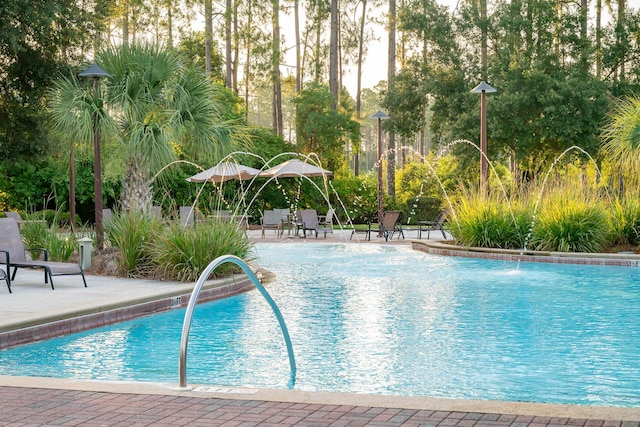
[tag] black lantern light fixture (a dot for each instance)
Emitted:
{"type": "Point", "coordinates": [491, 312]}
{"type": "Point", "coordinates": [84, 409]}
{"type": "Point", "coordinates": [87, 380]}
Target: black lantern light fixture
{"type": "Point", "coordinates": [380, 116]}
{"type": "Point", "coordinates": [483, 88]}
{"type": "Point", "coordinates": [96, 73]}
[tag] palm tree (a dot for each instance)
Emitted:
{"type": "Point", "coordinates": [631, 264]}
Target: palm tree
{"type": "Point", "coordinates": [158, 106]}
{"type": "Point", "coordinates": [621, 136]}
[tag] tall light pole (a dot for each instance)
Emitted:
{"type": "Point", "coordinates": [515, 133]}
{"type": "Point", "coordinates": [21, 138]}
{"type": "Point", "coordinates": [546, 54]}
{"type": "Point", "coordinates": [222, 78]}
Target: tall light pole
{"type": "Point", "coordinates": [380, 116]}
{"type": "Point", "coordinates": [483, 88]}
{"type": "Point", "coordinates": [96, 73]}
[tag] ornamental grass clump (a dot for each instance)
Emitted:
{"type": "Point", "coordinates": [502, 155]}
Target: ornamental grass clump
{"type": "Point", "coordinates": [490, 223]}
{"type": "Point", "coordinates": [183, 253]}
{"type": "Point", "coordinates": [571, 225]}
{"type": "Point", "coordinates": [133, 233]}
{"type": "Point", "coordinates": [626, 221]}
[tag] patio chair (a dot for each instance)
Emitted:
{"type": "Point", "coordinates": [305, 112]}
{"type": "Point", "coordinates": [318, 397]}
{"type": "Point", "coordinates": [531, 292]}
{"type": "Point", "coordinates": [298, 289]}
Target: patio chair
{"type": "Point", "coordinates": [391, 224]}
{"type": "Point", "coordinates": [435, 225]}
{"type": "Point", "coordinates": [189, 216]}
{"type": "Point", "coordinates": [310, 221]}
{"type": "Point", "coordinates": [271, 220]}
{"type": "Point", "coordinates": [16, 255]}
{"type": "Point", "coordinates": [156, 212]}
{"type": "Point", "coordinates": [286, 221]}
{"type": "Point", "coordinates": [20, 221]}
{"type": "Point", "coordinates": [107, 216]}
{"type": "Point", "coordinates": [327, 220]}
{"type": "Point", "coordinates": [3, 274]}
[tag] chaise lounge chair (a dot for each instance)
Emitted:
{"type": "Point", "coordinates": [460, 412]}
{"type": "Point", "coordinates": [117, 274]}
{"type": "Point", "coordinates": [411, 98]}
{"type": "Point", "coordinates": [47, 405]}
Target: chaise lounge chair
{"type": "Point", "coordinates": [11, 243]}
{"type": "Point", "coordinates": [309, 220]}
{"type": "Point", "coordinates": [189, 216]}
{"type": "Point", "coordinates": [435, 225]}
{"type": "Point", "coordinates": [389, 225]}
{"type": "Point", "coordinates": [3, 274]}
{"type": "Point", "coordinates": [271, 220]}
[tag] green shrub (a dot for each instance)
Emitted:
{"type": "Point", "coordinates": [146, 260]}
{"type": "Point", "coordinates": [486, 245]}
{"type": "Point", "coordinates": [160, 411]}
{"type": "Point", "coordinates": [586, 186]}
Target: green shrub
{"type": "Point", "coordinates": [626, 222]}
{"type": "Point", "coordinates": [34, 235]}
{"type": "Point", "coordinates": [571, 225]}
{"type": "Point", "coordinates": [133, 234]}
{"type": "Point", "coordinates": [60, 246]}
{"type": "Point", "coordinates": [490, 224]}
{"type": "Point", "coordinates": [184, 253]}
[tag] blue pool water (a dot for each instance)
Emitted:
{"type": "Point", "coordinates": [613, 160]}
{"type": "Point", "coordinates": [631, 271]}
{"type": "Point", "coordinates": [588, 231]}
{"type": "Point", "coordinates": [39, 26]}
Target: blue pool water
{"type": "Point", "coordinates": [387, 320]}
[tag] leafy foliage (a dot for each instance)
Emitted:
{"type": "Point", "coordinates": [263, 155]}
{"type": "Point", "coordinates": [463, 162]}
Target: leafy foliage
{"type": "Point", "coordinates": [39, 40]}
{"type": "Point", "coordinates": [571, 225]}
{"type": "Point", "coordinates": [490, 222]}
{"type": "Point", "coordinates": [183, 253]}
{"type": "Point", "coordinates": [133, 233]}
{"type": "Point", "coordinates": [626, 221]}
{"type": "Point", "coordinates": [322, 129]}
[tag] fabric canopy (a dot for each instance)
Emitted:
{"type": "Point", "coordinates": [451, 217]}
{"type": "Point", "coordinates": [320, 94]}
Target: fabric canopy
{"type": "Point", "coordinates": [295, 167]}
{"type": "Point", "coordinates": [224, 172]}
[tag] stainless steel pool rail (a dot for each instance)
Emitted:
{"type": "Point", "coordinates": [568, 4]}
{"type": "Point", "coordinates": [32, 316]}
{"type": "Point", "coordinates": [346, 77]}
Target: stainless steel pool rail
{"type": "Point", "coordinates": [186, 325]}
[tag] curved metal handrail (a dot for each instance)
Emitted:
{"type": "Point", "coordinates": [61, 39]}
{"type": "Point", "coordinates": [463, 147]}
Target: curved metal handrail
{"type": "Point", "coordinates": [186, 325]}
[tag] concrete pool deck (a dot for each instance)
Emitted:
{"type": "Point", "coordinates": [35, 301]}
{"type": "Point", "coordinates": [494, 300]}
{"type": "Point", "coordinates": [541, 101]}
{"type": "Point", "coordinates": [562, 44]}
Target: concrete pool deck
{"type": "Point", "coordinates": [34, 401]}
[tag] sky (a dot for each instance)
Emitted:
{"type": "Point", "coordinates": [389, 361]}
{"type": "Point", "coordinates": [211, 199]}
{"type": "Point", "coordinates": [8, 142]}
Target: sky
{"type": "Point", "coordinates": [375, 63]}
{"type": "Point", "coordinates": [374, 68]}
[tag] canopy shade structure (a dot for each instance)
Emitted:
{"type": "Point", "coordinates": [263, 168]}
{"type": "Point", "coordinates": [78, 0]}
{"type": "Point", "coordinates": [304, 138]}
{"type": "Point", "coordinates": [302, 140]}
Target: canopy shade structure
{"type": "Point", "coordinates": [293, 168]}
{"type": "Point", "coordinates": [224, 172]}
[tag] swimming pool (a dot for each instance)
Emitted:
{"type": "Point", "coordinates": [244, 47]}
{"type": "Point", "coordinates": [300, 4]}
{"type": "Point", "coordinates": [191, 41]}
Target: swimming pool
{"type": "Point", "coordinates": [387, 320]}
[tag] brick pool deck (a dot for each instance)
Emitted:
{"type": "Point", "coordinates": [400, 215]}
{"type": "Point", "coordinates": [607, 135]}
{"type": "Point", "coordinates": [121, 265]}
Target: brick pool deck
{"type": "Point", "coordinates": [33, 401]}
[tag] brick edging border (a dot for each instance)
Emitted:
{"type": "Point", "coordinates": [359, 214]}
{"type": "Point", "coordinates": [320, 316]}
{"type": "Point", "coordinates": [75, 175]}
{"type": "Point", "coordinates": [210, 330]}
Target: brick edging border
{"type": "Point", "coordinates": [71, 325]}
{"type": "Point", "coordinates": [441, 248]}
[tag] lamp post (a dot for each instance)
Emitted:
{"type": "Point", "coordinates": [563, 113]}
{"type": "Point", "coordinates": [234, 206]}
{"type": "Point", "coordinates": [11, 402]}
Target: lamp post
{"type": "Point", "coordinates": [72, 190]}
{"type": "Point", "coordinates": [96, 72]}
{"type": "Point", "coordinates": [379, 115]}
{"type": "Point", "coordinates": [483, 88]}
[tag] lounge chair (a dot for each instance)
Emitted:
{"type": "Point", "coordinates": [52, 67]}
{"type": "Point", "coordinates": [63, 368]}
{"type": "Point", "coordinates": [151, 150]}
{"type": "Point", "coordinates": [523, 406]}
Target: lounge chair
{"type": "Point", "coordinates": [11, 242]}
{"type": "Point", "coordinates": [189, 216]}
{"type": "Point", "coordinates": [391, 224]}
{"type": "Point", "coordinates": [271, 220]}
{"type": "Point", "coordinates": [327, 220]}
{"type": "Point", "coordinates": [309, 220]}
{"type": "Point", "coordinates": [20, 221]}
{"type": "Point", "coordinates": [435, 225]}
{"type": "Point", "coordinates": [3, 274]}
{"type": "Point", "coordinates": [286, 221]}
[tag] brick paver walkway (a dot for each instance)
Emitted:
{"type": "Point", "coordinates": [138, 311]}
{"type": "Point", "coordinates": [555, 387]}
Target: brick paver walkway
{"type": "Point", "coordinates": [37, 407]}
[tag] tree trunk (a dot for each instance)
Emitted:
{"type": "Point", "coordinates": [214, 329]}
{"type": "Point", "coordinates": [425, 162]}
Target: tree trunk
{"type": "Point", "coordinates": [227, 42]}
{"type": "Point", "coordinates": [356, 159]}
{"type": "Point", "coordinates": [136, 187]}
{"type": "Point", "coordinates": [483, 38]}
{"type": "Point", "coordinates": [621, 43]}
{"type": "Point", "coordinates": [236, 48]}
{"type": "Point", "coordinates": [169, 23]}
{"type": "Point", "coordinates": [208, 35]}
{"type": "Point", "coordinates": [296, 13]}
{"type": "Point", "coordinates": [598, 39]}
{"type": "Point", "coordinates": [125, 24]}
{"type": "Point", "coordinates": [391, 72]}
{"type": "Point", "coordinates": [247, 68]}
{"type": "Point", "coordinates": [333, 54]}
{"type": "Point", "coordinates": [275, 71]}
{"type": "Point", "coordinates": [318, 48]}
{"type": "Point", "coordinates": [584, 48]}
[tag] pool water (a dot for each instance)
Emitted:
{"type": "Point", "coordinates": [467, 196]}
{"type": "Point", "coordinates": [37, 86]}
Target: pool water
{"type": "Point", "coordinates": [386, 320]}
